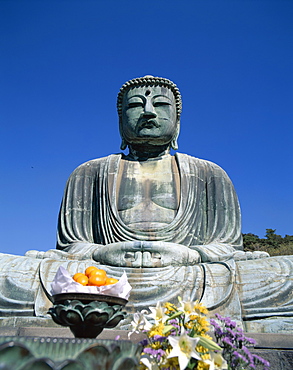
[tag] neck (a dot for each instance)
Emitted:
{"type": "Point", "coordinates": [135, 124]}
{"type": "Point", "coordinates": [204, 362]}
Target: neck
{"type": "Point", "coordinates": [146, 152]}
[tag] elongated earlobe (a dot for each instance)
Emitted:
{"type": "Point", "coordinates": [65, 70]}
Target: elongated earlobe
{"type": "Point", "coordinates": [174, 144]}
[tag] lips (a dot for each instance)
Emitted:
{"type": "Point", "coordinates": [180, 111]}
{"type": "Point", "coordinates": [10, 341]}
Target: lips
{"type": "Point", "coordinates": [148, 124]}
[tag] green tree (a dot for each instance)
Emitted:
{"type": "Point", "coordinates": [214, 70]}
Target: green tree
{"type": "Point", "coordinates": [273, 239]}
{"type": "Point", "coordinates": [251, 242]}
{"type": "Point", "coordinates": [273, 243]}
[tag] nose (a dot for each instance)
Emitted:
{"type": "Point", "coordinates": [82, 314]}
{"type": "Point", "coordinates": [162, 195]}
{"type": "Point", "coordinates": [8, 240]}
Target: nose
{"type": "Point", "coordinates": [149, 109]}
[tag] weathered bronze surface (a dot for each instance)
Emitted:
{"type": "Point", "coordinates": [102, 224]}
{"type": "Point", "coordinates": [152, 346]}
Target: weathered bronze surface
{"type": "Point", "coordinates": [87, 315]}
{"type": "Point", "coordinates": [24, 353]}
{"type": "Point", "coordinates": [172, 223]}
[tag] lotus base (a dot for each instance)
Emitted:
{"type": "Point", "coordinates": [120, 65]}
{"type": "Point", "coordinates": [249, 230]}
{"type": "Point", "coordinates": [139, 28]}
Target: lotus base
{"type": "Point", "coordinates": [87, 315]}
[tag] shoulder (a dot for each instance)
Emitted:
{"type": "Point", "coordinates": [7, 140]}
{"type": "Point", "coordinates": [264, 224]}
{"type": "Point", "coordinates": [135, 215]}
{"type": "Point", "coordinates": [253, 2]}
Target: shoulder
{"type": "Point", "coordinates": [201, 163]}
{"type": "Point", "coordinates": [93, 166]}
{"type": "Point", "coordinates": [204, 170]}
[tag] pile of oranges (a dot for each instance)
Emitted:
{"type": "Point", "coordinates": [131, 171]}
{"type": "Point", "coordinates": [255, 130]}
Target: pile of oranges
{"type": "Point", "coordinates": [94, 276]}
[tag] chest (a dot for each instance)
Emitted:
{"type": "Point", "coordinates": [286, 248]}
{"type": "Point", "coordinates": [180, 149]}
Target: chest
{"type": "Point", "coordinates": [151, 181]}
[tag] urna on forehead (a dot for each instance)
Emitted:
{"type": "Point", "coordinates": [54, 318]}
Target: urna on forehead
{"type": "Point", "coordinates": [151, 81]}
{"type": "Point", "coordinates": [149, 91]}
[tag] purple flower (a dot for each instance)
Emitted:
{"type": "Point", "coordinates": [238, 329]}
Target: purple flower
{"type": "Point", "coordinates": [261, 360]}
{"type": "Point", "coordinates": [232, 324]}
{"type": "Point", "coordinates": [157, 353]}
{"type": "Point", "coordinates": [230, 337]}
{"type": "Point", "coordinates": [160, 354]}
{"type": "Point", "coordinates": [215, 324]}
{"type": "Point", "coordinates": [218, 316]}
{"type": "Point", "coordinates": [240, 337]}
{"type": "Point", "coordinates": [150, 351]}
{"type": "Point", "coordinates": [217, 328]}
{"type": "Point", "coordinates": [248, 354]}
{"type": "Point", "coordinates": [239, 330]}
{"type": "Point", "coordinates": [144, 342]}
{"type": "Point", "coordinates": [231, 332]}
{"type": "Point", "coordinates": [159, 338]}
{"type": "Point", "coordinates": [173, 322]}
{"type": "Point", "coordinates": [227, 320]}
{"type": "Point", "coordinates": [250, 340]}
{"type": "Point", "coordinates": [227, 341]}
{"type": "Point", "coordinates": [229, 323]}
{"type": "Point", "coordinates": [240, 357]}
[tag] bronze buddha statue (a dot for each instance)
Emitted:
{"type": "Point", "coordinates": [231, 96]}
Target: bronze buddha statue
{"type": "Point", "coordinates": [172, 223]}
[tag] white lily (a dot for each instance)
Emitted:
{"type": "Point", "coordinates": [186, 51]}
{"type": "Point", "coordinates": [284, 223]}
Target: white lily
{"type": "Point", "coordinates": [217, 362]}
{"type": "Point", "coordinates": [186, 306]}
{"type": "Point", "coordinates": [149, 363]}
{"type": "Point", "coordinates": [158, 313]}
{"type": "Point", "coordinates": [184, 349]}
{"type": "Point", "coordinates": [139, 323]}
{"type": "Point", "coordinates": [190, 308]}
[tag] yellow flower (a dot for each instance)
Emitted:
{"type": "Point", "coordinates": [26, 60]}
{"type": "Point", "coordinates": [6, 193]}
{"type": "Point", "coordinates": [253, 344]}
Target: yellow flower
{"type": "Point", "coordinates": [171, 363]}
{"type": "Point", "coordinates": [198, 323]}
{"type": "Point", "coordinates": [207, 336]}
{"type": "Point", "coordinates": [204, 354]}
{"type": "Point", "coordinates": [155, 345]}
{"type": "Point", "coordinates": [156, 330]}
{"type": "Point", "coordinates": [200, 308]}
{"type": "Point", "coordinates": [171, 308]}
{"type": "Point", "coordinates": [202, 366]}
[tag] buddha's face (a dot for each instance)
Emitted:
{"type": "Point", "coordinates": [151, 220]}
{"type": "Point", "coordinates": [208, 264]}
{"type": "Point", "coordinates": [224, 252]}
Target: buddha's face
{"type": "Point", "coordinates": [149, 115]}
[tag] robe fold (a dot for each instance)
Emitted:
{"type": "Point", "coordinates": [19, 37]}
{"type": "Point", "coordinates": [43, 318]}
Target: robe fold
{"type": "Point", "coordinates": [209, 211]}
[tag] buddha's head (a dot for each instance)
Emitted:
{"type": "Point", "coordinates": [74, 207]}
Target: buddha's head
{"type": "Point", "coordinates": [149, 111]}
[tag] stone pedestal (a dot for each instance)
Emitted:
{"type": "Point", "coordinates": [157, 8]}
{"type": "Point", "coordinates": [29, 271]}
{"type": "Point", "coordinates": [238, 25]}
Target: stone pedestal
{"type": "Point", "coordinates": [275, 348]}
{"type": "Point", "coordinates": [47, 348]}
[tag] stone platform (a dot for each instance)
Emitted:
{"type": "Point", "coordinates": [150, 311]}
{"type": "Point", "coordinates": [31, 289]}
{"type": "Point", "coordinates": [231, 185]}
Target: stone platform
{"type": "Point", "coordinates": [61, 332]}
{"type": "Point", "coordinates": [275, 348]}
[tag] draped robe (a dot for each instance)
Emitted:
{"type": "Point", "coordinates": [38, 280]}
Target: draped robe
{"type": "Point", "coordinates": [257, 291]}
{"type": "Point", "coordinates": [208, 213]}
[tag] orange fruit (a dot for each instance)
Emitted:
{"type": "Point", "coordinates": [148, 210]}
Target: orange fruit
{"type": "Point", "coordinates": [83, 280]}
{"type": "Point", "coordinates": [89, 270]}
{"type": "Point", "coordinates": [77, 275]}
{"type": "Point", "coordinates": [110, 281]}
{"type": "Point", "coordinates": [98, 272]}
{"type": "Point", "coordinates": [97, 280]}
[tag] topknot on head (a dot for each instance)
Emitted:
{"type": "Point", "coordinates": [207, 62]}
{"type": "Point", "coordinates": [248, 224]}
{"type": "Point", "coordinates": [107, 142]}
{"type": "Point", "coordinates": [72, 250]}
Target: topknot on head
{"type": "Point", "coordinates": [149, 80]}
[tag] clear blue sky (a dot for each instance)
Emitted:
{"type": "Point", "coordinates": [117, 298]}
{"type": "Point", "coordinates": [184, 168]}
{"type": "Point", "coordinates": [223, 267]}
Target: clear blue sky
{"type": "Point", "coordinates": [63, 62]}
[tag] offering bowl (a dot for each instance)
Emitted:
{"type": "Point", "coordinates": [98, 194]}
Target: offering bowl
{"type": "Point", "coordinates": [87, 314]}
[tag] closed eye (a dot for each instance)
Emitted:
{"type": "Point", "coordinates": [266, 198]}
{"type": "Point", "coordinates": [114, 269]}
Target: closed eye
{"type": "Point", "coordinates": [134, 105]}
{"type": "Point", "coordinates": [160, 103]}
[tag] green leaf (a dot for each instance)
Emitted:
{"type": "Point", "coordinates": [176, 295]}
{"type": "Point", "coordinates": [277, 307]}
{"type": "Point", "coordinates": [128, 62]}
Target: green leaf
{"type": "Point", "coordinates": [176, 314]}
{"type": "Point", "coordinates": [191, 333]}
{"type": "Point", "coordinates": [208, 343]}
{"type": "Point", "coordinates": [167, 328]}
{"type": "Point", "coordinates": [192, 364]}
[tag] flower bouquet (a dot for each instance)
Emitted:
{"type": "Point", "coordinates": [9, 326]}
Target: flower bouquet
{"type": "Point", "coordinates": [177, 338]}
